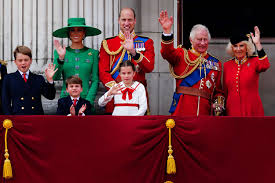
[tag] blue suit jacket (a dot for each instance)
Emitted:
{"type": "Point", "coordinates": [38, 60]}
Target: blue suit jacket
{"type": "Point", "coordinates": [3, 73]}
{"type": "Point", "coordinates": [24, 98]}
{"type": "Point", "coordinates": [65, 103]}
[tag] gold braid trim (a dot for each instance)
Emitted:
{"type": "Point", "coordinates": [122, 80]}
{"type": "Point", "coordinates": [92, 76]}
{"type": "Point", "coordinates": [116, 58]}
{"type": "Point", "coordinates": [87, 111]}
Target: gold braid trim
{"type": "Point", "coordinates": [189, 62]}
{"type": "Point", "coordinates": [168, 42]}
{"type": "Point", "coordinates": [3, 62]}
{"type": "Point", "coordinates": [106, 48]}
{"type": "Point", "coordinates": [120, 60]}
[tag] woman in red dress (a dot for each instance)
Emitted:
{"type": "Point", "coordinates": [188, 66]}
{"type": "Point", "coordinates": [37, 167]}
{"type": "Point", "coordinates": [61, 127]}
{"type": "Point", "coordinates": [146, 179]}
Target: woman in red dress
{"type": "Point", "coordinates": [241, 75]}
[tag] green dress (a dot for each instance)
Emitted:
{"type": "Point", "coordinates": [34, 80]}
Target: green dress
{"type": "Point", "coordinates": [83, 63]}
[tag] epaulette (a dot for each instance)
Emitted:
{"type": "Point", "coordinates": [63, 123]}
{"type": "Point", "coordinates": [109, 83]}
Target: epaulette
{"type": "Point", "coordinates": [3, 62]}
{"type": "Point", "coordinates": [213, 56]}
{"type": "Point", "coordinates": [110, 37]}
{"type": "Point", "coordinates": [144, 37]}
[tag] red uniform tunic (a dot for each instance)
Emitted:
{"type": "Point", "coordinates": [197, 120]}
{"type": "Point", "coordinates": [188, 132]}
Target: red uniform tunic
{"type": "Point", "coordinates": [109, 58]}
{"type": "Point", "coordinates": [241, 85]}
{"type": "Point", "coordinates": [184, 104]}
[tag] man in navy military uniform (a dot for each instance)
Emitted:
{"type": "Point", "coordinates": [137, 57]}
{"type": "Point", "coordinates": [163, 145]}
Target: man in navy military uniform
{"type": "Point", "coordinates": [22, 90]}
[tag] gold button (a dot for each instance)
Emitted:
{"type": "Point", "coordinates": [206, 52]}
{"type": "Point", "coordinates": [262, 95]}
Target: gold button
{"type": "Point", "coordinates": [22, 98]}
{"type": "Point", "coordinates": [32, 107]}
{"type": "Point", "coordinates": [237, 81]}
{"type": "Point", "coordinates": [237, 78]}
{"type": "Point", "coordinates": [32, 98]}
{"type": "Point", "coordinates": [237, 86]}
{"type": "Point", "coordinates": [22, 108]}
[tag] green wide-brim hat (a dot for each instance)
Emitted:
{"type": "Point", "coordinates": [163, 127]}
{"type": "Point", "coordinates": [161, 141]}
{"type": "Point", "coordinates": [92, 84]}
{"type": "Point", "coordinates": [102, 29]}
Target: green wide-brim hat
{"type": "Point", "coordinates": [76, 22]}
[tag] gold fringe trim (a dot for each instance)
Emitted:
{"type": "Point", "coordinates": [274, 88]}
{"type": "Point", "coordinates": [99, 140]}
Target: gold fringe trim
{"type": "Point", "coordinates": [7, 169]}
{"type": "Point", "coordinates": [168, 181]}
{"type": "Point", "coordinates": [171, 164]}
{"type": "Point", "coordinates": [3, 62]}
{"type": "Point", "coordinates": [110, 84]}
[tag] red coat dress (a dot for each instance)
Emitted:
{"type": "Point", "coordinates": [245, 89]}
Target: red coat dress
{"type": "Point", "coordinates": [183, 104]}
{"type": "Point", "coordinates": [112, 53]}
{"type": "Point", "coordinates": [241, 85]}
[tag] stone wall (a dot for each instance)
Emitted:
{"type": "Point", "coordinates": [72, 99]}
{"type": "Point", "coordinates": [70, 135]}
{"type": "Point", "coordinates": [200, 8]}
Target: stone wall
{"type": "Point", "coordinates": [35, 32]}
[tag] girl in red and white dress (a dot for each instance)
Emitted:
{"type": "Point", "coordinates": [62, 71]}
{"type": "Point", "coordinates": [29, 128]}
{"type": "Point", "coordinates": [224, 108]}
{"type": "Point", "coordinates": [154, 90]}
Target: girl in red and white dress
{"type": "Point", "coordinates": [129, 96]}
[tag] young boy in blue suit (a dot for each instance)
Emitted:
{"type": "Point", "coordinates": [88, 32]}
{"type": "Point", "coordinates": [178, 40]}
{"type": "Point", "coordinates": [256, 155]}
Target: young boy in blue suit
{"type": "Point", "coordinates": [22, 90]}
{"type": "Point", "coordinates": [73, 105]}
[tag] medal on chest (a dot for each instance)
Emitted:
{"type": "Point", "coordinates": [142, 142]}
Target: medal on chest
{"type": "Point", "coordinates": [140, 46]}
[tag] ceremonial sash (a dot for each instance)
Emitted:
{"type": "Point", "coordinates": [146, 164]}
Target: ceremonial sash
{"type": "Point", "coordinates": [192, 79]}
{"type": "Point", "coordinates": [115, 75]}
{"type": "Point", "coordinates": [139, 45]}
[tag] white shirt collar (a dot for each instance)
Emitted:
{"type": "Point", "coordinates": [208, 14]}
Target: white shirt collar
{"type": "Point", "coordinates": [133, 85]}
{"type": "Point", "coordinates": [74, 98]}
{"type": "Point", "coordinates": [27, 73]}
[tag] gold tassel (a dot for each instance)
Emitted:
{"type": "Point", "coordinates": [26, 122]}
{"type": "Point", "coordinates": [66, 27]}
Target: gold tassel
{"type": "Point", "coordinates": [7, 169]}
{"type": "Point", "coordinates": [171, 164]}
{"type": "Point", "coordinates": [168, 181]}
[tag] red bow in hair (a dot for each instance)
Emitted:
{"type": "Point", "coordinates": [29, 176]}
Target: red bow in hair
{"type": "Point", "coordinates": [125, 91]}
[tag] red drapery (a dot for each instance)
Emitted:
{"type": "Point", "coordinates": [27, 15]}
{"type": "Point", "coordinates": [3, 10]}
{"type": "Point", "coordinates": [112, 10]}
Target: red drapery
{"type": "Point", "coordinates": [112, 149]}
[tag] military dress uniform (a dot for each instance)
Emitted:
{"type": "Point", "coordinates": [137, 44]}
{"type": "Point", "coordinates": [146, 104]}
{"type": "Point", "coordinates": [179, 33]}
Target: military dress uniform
{"type": "Point", "coordinates": [112, 54]}
{"type": "Point", "coordinates": [83, 63]}
{"type": "Point", "coordinates": [198, 79]}
{"type": "Point", "coordinates": [241, 85]}
{"type": "Point", "coordinates": [24, 98]}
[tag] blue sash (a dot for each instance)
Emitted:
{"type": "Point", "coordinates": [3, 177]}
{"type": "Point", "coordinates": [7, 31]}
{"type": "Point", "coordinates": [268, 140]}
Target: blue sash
{"type": "Point", "coordinates": [138, 40]}
{"type": "Point", "coordinates": [192, 79]}
{"type": "Point", "coordinates": [115, 75]}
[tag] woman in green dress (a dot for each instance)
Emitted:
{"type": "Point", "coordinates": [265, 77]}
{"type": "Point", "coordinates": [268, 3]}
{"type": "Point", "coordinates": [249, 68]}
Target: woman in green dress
{"type": "Point", "coordinates": [77, 59]}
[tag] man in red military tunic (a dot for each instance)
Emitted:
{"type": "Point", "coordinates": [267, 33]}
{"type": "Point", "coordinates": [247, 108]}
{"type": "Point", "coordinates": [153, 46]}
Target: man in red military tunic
{"type": "Point", "coordinates": [197, 73]}
{"type": "Point", "coordinates": [125, 46]}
